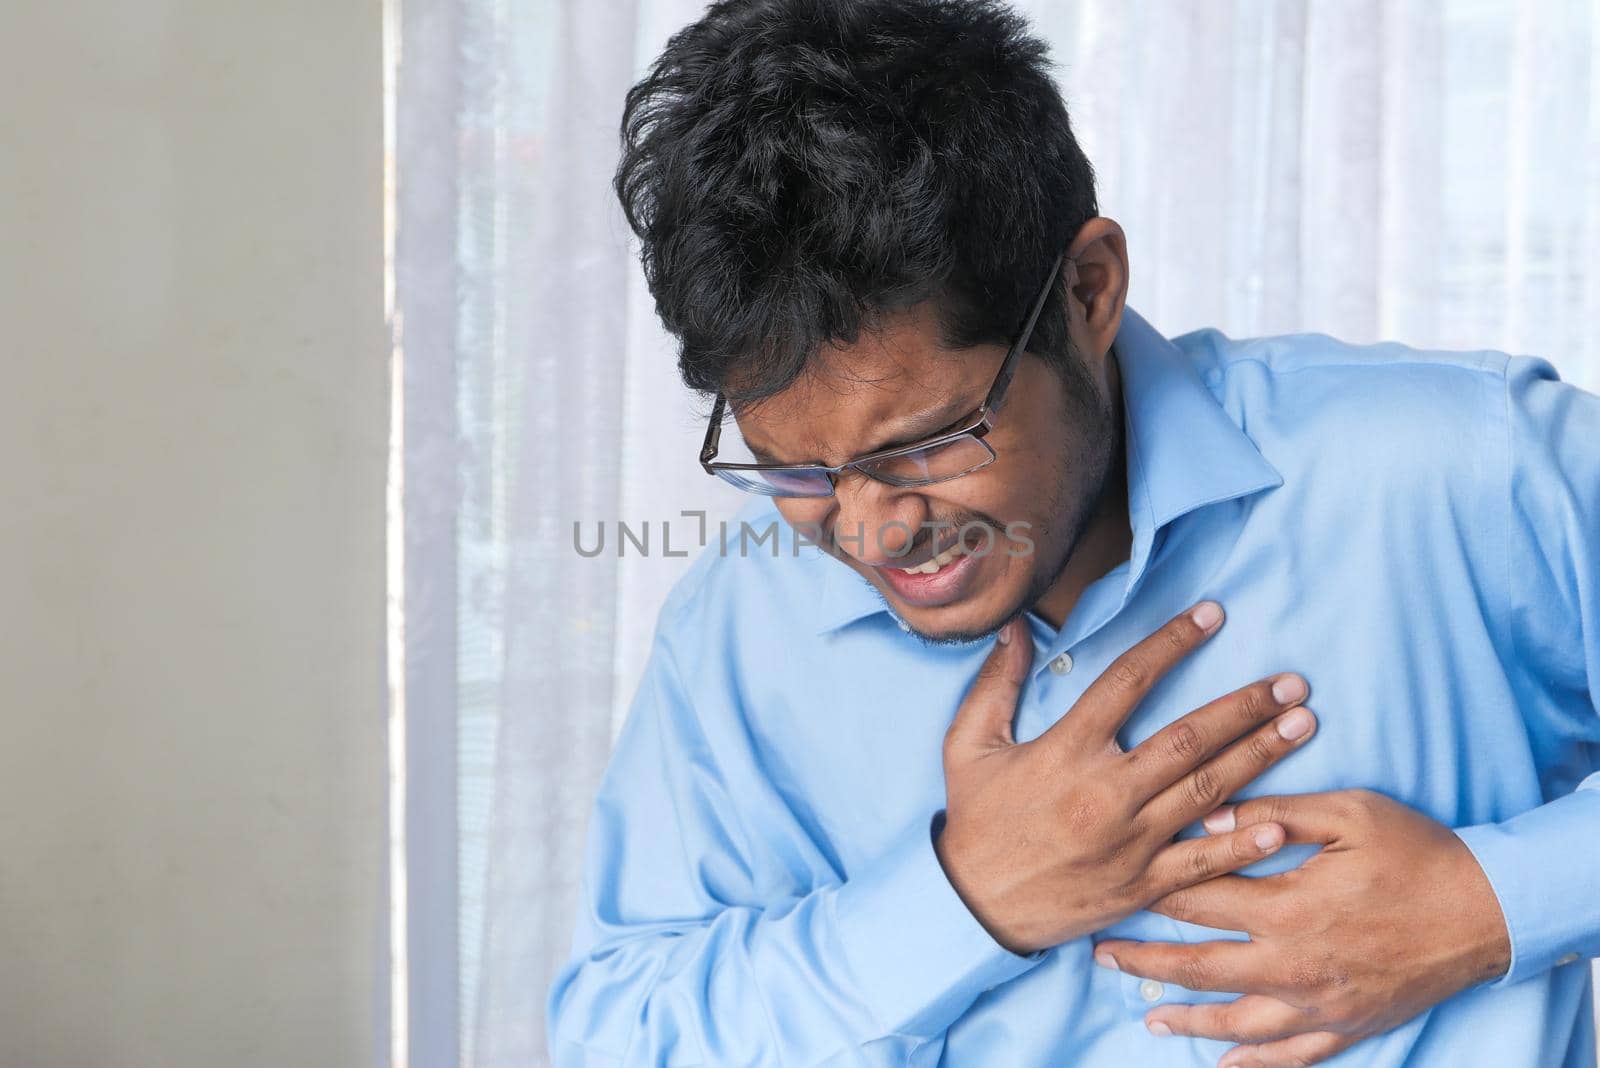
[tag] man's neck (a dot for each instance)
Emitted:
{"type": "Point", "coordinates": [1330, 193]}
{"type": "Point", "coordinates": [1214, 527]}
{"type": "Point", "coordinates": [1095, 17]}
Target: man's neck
{"type": "Point", "coordinates": [1106, 540]}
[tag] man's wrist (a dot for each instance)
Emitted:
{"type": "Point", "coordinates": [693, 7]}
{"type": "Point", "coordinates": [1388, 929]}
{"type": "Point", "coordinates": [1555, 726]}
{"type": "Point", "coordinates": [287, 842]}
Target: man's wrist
{"type": "Point", "coordinates": [920, 957]}
{"type": "Point", "coordinates": [1486, 937]}
{"type": "Point", "coordinates": [961, 884]}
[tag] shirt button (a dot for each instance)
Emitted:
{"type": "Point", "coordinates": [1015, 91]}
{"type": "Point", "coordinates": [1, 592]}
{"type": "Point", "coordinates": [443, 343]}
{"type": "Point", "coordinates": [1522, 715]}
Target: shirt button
{"type": "Point", "coordinates": [1570, 958]}
{"type": "Point", "coordinates": [1151, 990]}
{"type": "Point", "coordinates": [1061, 664]}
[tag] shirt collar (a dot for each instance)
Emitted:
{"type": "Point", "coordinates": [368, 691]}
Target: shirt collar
{"type": "Point", "coordinates": [1184, 453]}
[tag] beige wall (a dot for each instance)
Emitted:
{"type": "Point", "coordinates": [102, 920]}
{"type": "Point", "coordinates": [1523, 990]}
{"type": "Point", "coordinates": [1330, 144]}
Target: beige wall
{"type": "Point", "coordinates": [192, 434]}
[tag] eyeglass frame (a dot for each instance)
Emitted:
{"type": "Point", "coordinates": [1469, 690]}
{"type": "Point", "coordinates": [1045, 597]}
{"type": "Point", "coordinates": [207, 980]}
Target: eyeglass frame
{"type": "Point", "coordinates": [977, 426]}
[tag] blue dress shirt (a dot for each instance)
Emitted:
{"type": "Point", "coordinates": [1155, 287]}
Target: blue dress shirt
{"type": "Point", "coordinates": [1418, 533]}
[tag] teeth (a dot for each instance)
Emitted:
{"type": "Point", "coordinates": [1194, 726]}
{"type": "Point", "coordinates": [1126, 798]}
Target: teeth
{"type": "Point", "coordinates": [931, 566]}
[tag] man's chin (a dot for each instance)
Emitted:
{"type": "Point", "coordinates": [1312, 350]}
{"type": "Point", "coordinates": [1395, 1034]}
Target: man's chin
{"type": "Point", "coordinates": [960, 623]}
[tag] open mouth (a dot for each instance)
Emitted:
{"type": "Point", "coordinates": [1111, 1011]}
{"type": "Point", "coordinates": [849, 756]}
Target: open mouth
{"type": "Point", "coordinates": [933, 565]}
{"type": "Point", "coordinates": [940, 579]}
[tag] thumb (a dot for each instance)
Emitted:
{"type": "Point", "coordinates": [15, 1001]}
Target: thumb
{"type": "Point", "coordinates": [984, 719]}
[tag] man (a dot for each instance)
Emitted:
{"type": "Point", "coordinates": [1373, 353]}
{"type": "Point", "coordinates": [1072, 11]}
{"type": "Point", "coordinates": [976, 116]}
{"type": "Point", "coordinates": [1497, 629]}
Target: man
{"type": "Point", "coordinates": [891, 799]}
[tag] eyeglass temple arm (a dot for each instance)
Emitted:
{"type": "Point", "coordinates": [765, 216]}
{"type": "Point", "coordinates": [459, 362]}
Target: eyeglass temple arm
{"type": "Point", "coordinates": [708, 449]}
{"type": "Point", "coordinates": [997, 392]}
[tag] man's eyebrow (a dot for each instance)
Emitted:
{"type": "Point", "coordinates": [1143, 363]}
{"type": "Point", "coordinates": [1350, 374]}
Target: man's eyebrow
{"type": "Point", "coordinates": [905, 431]}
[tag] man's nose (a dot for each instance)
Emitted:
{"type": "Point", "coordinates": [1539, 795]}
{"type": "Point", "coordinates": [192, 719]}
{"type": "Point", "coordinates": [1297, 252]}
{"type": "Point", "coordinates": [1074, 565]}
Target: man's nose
{"type": "Point", "coordinates": [876, 523]}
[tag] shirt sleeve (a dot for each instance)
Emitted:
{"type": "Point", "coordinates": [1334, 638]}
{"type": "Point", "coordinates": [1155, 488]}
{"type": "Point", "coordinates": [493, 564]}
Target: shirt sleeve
{"type": "Point", "coordinates": [1544, 864]}
{"type": "Point", "coordinates": [706, 936]}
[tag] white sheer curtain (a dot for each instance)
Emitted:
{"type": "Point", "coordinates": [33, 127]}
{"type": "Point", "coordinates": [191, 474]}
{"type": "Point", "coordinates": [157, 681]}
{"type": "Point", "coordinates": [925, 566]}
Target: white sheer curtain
{"type": "Point", "coordinates": [1403, 169]}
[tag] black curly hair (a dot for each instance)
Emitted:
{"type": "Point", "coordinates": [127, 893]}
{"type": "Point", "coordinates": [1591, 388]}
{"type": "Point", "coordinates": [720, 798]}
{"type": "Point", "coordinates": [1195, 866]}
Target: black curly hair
{"type": "Point", "coordinates": [795, 169]}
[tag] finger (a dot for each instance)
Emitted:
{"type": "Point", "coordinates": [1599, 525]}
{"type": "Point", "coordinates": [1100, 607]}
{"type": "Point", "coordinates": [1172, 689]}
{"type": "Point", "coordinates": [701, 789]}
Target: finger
{"type": "Point", "coordinates": [1296, 1052]}
{"type": "Point", "coordinates": [1312, 819]}
{"type": "Point", "coordinates": [1109, 700]}
{"type": "Point", "coordinates": [1252, 1018]}
{"type": "Point", "coordinates": [1224, 966]}
{"type": "Point", "coordinates": [1180, 746]}
{"type": "Point", "coordinates": [1230, 902]}
{"type": "Point", "coordinates": [1192, 865]}
{"type": "Point", "coordinates": [1203, 789]}
{"type": "Point", "coordinates": [984, 719]}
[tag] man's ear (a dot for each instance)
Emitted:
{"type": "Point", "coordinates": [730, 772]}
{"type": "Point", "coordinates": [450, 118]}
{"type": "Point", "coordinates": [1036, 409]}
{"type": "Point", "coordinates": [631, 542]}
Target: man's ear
{"type": "Point", "coordinates": [1100, 251]}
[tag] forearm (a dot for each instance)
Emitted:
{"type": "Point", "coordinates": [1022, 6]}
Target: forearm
{"type": "Point", "coordinates": [891, 955]}
{"type": "Point", "coordinates": [746, 987]}
{"type": "Point", "coordinates": [1544, 866]}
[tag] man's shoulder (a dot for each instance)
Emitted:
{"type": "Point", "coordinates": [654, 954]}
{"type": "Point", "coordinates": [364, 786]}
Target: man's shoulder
{"type": "Point", "coordinates": [1386, 401]}
{"type": "Point", "coordinates": [1334, 362]}
{"type": "Point", "coordinates": [1357, 427]}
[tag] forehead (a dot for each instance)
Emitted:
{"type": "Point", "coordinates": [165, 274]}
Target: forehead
{"type": "Point", "coordinates": [897, 370]}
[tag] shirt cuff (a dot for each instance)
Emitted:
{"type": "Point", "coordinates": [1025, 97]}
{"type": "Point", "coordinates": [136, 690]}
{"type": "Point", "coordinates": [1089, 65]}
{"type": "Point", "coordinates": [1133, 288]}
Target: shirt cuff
{"type": "Point", "coordinates": [919, 955]}
{"type": "Point", "coordinates": [1545, 871]}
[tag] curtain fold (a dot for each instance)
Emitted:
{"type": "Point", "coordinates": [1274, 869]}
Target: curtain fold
{"type": "Point", "coordinates": [1406, 169]}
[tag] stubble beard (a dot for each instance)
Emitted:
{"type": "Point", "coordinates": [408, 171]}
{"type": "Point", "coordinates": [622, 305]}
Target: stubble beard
{"type": "Point", "coordinates": [1101, 438]}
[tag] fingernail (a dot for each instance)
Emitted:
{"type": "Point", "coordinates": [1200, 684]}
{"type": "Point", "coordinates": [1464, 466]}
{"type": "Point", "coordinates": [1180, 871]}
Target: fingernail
{"type": "Point", "coordinates": [1288, 689]}
{"type": "Point", "coordinates": [1295, 724]}
{"type": "Point", "coordinates": [1220, 821]}
{"type": "Point", "coordinates": [1004, 637]}
{"type": "Point", "coordinates": [1104, 958]}
{"type": "Point", "coordinates": [1268, 838]}
{"type": "Point", "coordinates": [1207, 615]}
{"type": "Point", "coordinates": [1159, 1029]}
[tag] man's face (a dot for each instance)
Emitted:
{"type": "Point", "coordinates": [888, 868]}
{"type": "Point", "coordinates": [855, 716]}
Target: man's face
{"type": "Point", "coordinates": [1021, 514]}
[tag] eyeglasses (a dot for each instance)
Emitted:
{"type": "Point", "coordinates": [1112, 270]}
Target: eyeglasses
{"type": "Point", "coordinates": [936, 459]}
